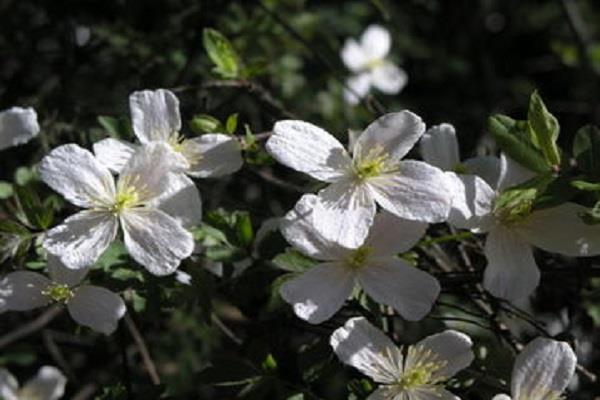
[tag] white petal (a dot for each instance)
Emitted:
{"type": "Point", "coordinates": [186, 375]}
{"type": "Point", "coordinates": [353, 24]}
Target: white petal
{"type": "Point", "coordinates": [8, 385]}
{"type": "Point", "coordinates": [17, 126]}
{"type": "Point", "coordinates": [181, 200]}
{"type": "Point", "coordinates": [453, 348]}
{"type": "Point", "coordinates": [417, 191]}
{"type": "Point", "coordinates": [435, 394]}
{"type": "Point", "coordinates": [501, 397]}
{"type": "Point", "coordinates": [147, 170]}
{"type": "Point", "coordinates": [389, 78]}
{"type": "Point", "coordinates": [486, 167]}
{"type": "Point", "coordinates": [439, 147]}
{"type": "Point", "coordinates": [309, 149]}
{"type": "Point", "coordinates": [560, 230]}
{"type": "Point", "coordinates": [76, 174]}
{"type": "Point", "coordinates": [512, 173]}
{"type": "Point", "coordinates": [155, 114]}
{"type": "Point", "coordinates": [543, 368]}
{"type": "Point", "coordinates": [472, 202]}
{"type": "Point", "coordinates": [357, 87]}
{"type": "Point", "coordinates": [320, 292]}
{"type": "Point", "coordinates": [218, 155]}
{"type": "Point", "coordinates": [344, 213]}
{"type": "Point", "coordinates": [97, 308]}
{"type": "Point", "coordinates": [114, 153]}
{"type": "Point", "coordinates": [376, 42]}
{"type": "Point", "coordinates": [299, 230]}
{"type": "Point", "coordinates": [59, 273]}
{"type": "Point", "coordinates": [364, 347]}
{"type": "Point", "coordinates": [407, 289]}
{"type": "Point", "coordinates": [82, 238]}
{"type": "Point", "coordinates": [394, 134]}
{"type": "Point", "coordinates": [353, 56]}
{"type": "Point", "coordinates": [156, 240]}
{"type": "Point", "coordinates": [511, 272]}
{"type": "Point", "coordinates": [48, 384]}
{"type": "Point", "coordinates": [22, 291]}
{"type": "Point", "coordinates": [391, 235]}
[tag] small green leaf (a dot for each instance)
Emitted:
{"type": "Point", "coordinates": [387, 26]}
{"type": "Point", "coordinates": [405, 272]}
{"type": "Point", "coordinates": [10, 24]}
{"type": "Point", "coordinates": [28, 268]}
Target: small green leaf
{"type": "Point", "coordinates": [117, 128]}
{"type": "Point", "coordinates": [592, 216]}
{"type": "Point", "coordinates": [24, 175]}
{"type": "Point", "coordinates": [222, 54]}
{"type": "Point", "coordinates": [545, 128]}
{"type": "Point", "coordinates": [34, 212]}
{"type": "Point", "coordinates": [243, 228]}
{"type": "Point", "coordinates": [586, 186]}
{"type": "Point", "coordinates": [586, 149]}
{"type": "Point", "coordinates": [204, 123]}
{"type": "Point", "coordinates": [6, 190]}
{"type": "Point", "coordinates": [293, 261]}
{"type": "Point", "coordinates": [231, 123]}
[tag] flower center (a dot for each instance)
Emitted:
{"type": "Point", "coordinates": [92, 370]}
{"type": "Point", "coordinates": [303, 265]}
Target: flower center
{"type": "Point", "coordinates": [460, 168]}
{"type": "Point", "coordinates": [374, 164]}
{"type": "Point", "coordinates": [60, 293]}
{"type": "Point", "coordinates": [181, 145]}
{"type": "Point", "coordinates": [372, 64]}
{"type": "Point", "coordinates": [126, 198]}
{"type": "Point", "coordinates": [358, 257]}
{"type": "Point", "coordinates": [420, 368]}
{"type": "Point", "coordinates": [512, 213]}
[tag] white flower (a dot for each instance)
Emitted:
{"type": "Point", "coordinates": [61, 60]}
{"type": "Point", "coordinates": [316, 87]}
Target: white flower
{"type": "Point", "coordinates": [439, 148]}
{"type": "Point", "coordinates": [415, 374]}
{"type": "Point", "coordinates": [374, 174]}
{"type": "Point", "coordinates": [542, 371]}
{"type": "Point", "coordinates": [154, 238]}
{"type": "Point", "coordinates": [367, 60]}
{"type": "Point", "coordinates": [321, 291]}
{"type": "Point", "coordinates": [17, 126]}
{"type": "Point", "coordinates": [512, 272]}
{"type": "Point", "coordinates": [92, 306]}
{"type": "Point", "coordinates": [48, 384]}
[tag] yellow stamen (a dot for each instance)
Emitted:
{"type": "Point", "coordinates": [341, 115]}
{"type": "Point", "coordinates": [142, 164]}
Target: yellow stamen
{"type": "Point", "coordinates": [60, 293]}
{"type": "Point", "coordinates": [358, 257]}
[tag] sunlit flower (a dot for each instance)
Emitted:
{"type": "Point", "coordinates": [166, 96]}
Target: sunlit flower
{"type": "Point", "coordinates": [373, 265]}
{"type": "Point", "coordinates": [17, 126]}
{"type": "Point", "coordinates": [513, 229]}
{"type": "Point", "coordinates": [154, 238]}
{"type": "Point", "coordinates": [367, 60]}
{"type": "Point", "coordinates": [91, 306]}
{"type": "Point", "coordinates": [374, 174]}
{"type": "Point", "coordinates": [542, 371]}
{"type": "Point", "coordinates": [48, 384]}
{"type": "Point", "coordinates": [417, 373]}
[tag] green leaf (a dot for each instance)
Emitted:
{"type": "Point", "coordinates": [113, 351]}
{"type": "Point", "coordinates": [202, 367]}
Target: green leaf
{"type": "Point", "coordinates": [6, 190]}
{"type": "Point", "coordinates": [293, 261]}
{"type": "Point", "coordinates": [586, 186]}
{"type": "Point", "coordinates": [516, 203]}
{"type": "Point", "coordinates": [586, 149]}
{"type": "Point", "coordinates": [35, 213]}
{"type": "Point", "coordinates": [118, 128]}
{"type": "Point", "coordinates": [592, 216]}
{"type": "Point", "coordinates": [231, 123]}
{"type": "Point", "coordinates": [204, 123]}
{"type": "Point", "coordinates": [24, 175]}
{"type": "Point", "coordinates": [243, 228]}
{"type": "Point", "coordinates": [222, 54]}
{"type": "Point", "coordinates": [545, 128]}
{"type": "Point", "coordinates": [512, 138]}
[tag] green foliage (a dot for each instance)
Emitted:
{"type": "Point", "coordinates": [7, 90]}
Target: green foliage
{"type": "Point", "coordinates": [545, 129]}
{"type": "Point", "coordinates": [222, 54]}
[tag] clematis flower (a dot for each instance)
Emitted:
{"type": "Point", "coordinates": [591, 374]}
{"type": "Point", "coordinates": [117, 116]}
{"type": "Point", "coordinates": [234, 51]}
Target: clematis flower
{"type": "Point", "coordinates": [415, 374]}
{"type": "Point", "coordinates": [17, 126]}
{"type": "Point", "coordinates": [514, 229]}
{"type": "Point", "coordinates": [321, 291]}
{"type": "Point", "coordinates": [367, 61]}
{"type": "Point", "coordinates": [439, 148]}
{"type": "Point", "coordinates": [374, 174]}
{"type": "Point", "coordinates": [542, 371]}
{"type": "Point", "coordinates": [92, 306]}
{"type": "Point", "coordinates": [153, 237]}
{"type": "Point", "coordinates": [48, 384]}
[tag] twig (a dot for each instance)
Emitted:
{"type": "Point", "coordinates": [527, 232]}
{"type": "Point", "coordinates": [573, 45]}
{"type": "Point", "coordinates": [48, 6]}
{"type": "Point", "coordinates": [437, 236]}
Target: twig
{"type": "Point", "coordinates": [85, 392]}
{"type": "Point", "coordinates": [125, 363]}
{"type": "Point", "coordinates": [57, 355]}
{"type": "Point", "coordinates": [143, 349]}
{"type": "Point", "coordinates": [225, 329]}
{"type": "Point", "coordinates": [31, 327]}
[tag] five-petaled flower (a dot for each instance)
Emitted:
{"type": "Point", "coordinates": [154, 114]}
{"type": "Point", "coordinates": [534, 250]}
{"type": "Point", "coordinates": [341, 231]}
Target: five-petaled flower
{"type": "Point", "coordinates": [92, 306]}
{"type": "Point", "coordinates": [48, 384]}
{"type": "Point", "coordinates": [374, 174]}
{"type": "Point", "coordinates": [415, 374]}
{"type": "Point", "coordinates": [17, 126]}
{"type": "Point", "coordinates": [367, 60]}
{"type": "Point", "coordinates": [321, 291]}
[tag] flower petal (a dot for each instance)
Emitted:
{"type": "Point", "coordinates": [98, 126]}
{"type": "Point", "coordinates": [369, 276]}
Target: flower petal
{"type": "Point", "coordinates": [544, 368]}
{"type": "Point", "coordinates": [357, 87]}
{"type": "Point", "coordinates": [486, 167]}
{"type": "Point", "coordinates": [8, 385]}
{"type": "Point", "coordinates": [501, 397]}
{"type": "Point", "coordinates": [391, 235]}
{"type": "Point", "coordinates": [417, 191]}
{"type": "Point", "coordinates": [218, 155]}
{"type": "Point", "coordinates": [472, 202]}
{"type": "Point", "coordinates": [511, 173]}
{"type": "Point", "coordinates": [511, 272]}
{"type": "Point", "coordinates": [546, 229]}
{"type": "Point", "coordinates": [22, 291]}
{"type": "Point", "coordinates": [17, 126]}
{"type": "Point", "coordinates": [82, 238]}
{"type": "Point", "coordinates": [97, 308]}
{"type": "Point", "coordinates": [353, 56]}
{"type": "Point", "coordinates": [439, 147]}
{"type": "Point", "coordinates": [59, 273]}
{"type": "Point", "coordinates": [181, 200]}
{"type": "Point", "coordinates": [453, 348]}
{"type": "Point", "coordinates": [299, 230]}
{"type": "Point", "coordinates": [114, 153]}
{"type": "Point", "coordinates": [364, 347]}
{"type": "Point", "coordinates": [389, 78]}
{"type": "Point", "coordinates": [320, 292]}
{"type": "Point", "coordinates": [48, 384]}
{"type": "Point", "coordinates": [309, 149]}
{"type": "Point", "coordinates": [393, 282]}
{"type": "Point", "coordinates": [156, 240]}
{"type": "Point", "coordinates": [154, 114]}
{"type": "Point", "coordinates": [394, 134]}
{"type": "Point", "coordinates": [375, 42]}
{"type": "Point", "coordinates": [76, 174]}
{"type": "Point", "coordinates": [344, 213]}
